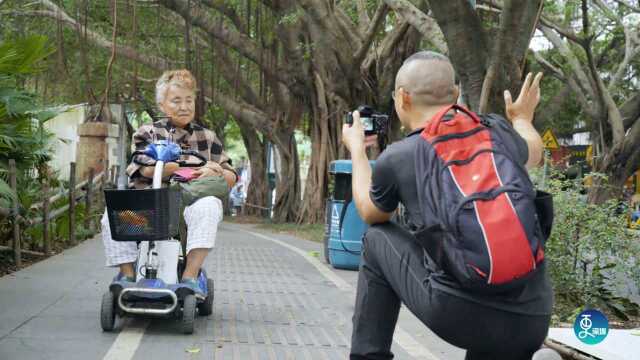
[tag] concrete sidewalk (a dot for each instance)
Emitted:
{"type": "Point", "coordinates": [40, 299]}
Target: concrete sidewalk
{"type": "Point", "coordinates": [273, 300]}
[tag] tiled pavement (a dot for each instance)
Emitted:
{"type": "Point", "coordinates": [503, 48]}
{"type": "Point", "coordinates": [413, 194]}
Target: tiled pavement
{"type": "Point", "coordinates": [271, 302]}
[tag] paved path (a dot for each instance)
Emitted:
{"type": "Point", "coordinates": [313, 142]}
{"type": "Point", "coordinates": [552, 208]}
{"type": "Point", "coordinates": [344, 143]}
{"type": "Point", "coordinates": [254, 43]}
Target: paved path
{"type": "Point", "coordinates": [273, 300]}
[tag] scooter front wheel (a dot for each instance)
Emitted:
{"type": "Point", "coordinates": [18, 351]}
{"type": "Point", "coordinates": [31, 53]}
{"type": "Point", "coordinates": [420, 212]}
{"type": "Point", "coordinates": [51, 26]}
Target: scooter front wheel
{"type": "Point", "coordinates": [188, 314]}
{"type": "Point", "coordinates": [205, 308]}
{"type": "Point", "coordinates": [107, 311]}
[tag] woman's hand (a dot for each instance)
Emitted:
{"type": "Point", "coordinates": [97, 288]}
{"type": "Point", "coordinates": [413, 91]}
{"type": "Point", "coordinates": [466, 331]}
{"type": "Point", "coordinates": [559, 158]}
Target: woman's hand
{"type": "Point", "coordinates": [211, 169]}
{"type": "Point", "coordinates": [169, 169]}
{"type": "Point", "coordinates": [217, 168]}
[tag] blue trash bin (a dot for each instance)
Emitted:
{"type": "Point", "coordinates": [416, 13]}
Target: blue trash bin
{"type": "Point", "coordinates": [343, 227]}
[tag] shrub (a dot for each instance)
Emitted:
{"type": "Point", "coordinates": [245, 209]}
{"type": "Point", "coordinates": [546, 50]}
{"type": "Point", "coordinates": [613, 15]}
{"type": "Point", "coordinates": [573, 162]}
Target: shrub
{"type": "Point", "coordinates": [592, 256]}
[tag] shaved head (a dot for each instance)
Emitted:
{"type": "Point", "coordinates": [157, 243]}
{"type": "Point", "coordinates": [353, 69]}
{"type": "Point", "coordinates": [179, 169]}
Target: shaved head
{"type": "Point", "coordinates": [429, 79]}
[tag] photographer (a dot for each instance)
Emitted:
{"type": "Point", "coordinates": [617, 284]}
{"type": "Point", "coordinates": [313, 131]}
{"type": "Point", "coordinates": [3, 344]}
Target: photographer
{"type": "Point", "coordinates": [394, 269]}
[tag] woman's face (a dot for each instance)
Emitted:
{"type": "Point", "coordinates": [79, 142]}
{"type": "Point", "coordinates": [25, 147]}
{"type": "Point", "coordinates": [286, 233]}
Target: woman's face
{"type": "Point", "coordinates": [179, 105]}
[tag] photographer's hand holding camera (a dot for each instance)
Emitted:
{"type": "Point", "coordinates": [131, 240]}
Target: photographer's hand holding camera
{"type": "Point", "coordinates": [394, 269]}
{"type": "Point", "coordinates": [353, 136]}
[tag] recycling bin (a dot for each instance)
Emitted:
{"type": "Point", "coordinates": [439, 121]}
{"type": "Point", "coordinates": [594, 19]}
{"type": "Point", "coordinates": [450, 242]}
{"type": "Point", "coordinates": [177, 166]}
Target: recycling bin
{"type": "Point", "coordinates": [343, 226]}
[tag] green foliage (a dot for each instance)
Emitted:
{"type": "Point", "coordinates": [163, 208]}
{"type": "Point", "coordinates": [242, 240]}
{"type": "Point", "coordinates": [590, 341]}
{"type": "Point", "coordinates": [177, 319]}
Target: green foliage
{"type": "Point", "coordinates": [22, 136]}
{"type": "Point", "coordinates": [234, 146]}
{"type": "Point", "coordinates": [23, 56]}
{"type": "Point", "coordinates": [292, 17]}
{"type": "Point", "coordinates": [590, 252]}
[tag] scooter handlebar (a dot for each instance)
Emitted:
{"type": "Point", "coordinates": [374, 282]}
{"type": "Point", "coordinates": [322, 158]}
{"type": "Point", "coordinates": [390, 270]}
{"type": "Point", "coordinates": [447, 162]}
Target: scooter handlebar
{"type": "Point", "coordinates": [182, 163]}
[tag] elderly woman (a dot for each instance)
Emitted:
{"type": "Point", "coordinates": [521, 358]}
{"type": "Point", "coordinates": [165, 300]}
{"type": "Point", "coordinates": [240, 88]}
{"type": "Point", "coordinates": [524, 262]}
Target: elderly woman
{"type": "Point", "coordinates": [176, 96]}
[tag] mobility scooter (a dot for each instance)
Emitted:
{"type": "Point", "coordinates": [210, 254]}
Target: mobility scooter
{"type": "Point", "coordinates": [152, 217]}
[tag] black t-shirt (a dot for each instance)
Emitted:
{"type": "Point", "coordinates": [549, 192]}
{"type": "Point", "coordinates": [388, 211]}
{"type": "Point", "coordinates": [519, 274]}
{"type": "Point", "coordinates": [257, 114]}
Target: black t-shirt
{"type": "Point", "coordinates": [394, 182]}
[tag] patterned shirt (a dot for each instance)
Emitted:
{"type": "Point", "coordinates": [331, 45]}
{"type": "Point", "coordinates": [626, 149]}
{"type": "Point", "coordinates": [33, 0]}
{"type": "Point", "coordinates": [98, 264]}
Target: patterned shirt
{"type": "Point", "coordinates": [191, 137]}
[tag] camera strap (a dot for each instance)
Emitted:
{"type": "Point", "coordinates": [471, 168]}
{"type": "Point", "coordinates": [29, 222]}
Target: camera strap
{"type": "Point", "coordinates": [347, 201]}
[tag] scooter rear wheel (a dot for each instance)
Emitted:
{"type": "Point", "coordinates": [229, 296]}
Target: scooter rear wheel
{"type": "Point", "coordinates": [188, 314]}
{"type": "Point", "coordinates": [107, 311]}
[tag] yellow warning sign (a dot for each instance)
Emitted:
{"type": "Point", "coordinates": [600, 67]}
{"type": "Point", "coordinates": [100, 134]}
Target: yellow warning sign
{"type": "Point", "coordinates": [549, 140]}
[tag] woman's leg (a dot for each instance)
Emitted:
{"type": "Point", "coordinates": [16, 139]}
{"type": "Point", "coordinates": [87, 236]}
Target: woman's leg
{"type": "Point", "coordinates": [202, 219]}
{"type": "Point", "coordinates": [118, 253]}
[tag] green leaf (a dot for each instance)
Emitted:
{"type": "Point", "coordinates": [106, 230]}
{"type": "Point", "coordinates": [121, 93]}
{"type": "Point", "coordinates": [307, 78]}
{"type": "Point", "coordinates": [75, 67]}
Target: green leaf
{"type": "Point", "coordinates": [6, 192]}
{"type": "Point", "coordinates": [24, 55]}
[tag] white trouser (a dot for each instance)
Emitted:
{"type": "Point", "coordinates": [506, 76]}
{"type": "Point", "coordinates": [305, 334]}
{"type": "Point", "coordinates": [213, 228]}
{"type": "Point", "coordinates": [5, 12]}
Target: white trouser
{"type": "Point", "coordinates": [202, 219]}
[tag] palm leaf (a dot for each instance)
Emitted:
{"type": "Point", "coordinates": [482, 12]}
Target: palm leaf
{"type": "Point", "coordinates": [16, 102]}
{"type": "Point", "coordinates": [6, 192]}
{"type": "Point", "coordinates": [23, 56]}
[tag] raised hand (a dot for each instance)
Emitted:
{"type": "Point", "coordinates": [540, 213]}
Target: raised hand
{"type": "Point", "coordinates": [525, 105]}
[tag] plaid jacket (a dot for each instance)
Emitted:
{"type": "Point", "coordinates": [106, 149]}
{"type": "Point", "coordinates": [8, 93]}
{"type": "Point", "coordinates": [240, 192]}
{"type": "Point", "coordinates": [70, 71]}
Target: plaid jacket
{"type": "Point", "coordinates": [192, 137]}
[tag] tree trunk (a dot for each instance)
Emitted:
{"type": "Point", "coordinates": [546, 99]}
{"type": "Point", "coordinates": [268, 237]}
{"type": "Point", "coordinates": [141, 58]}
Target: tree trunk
{"type": "Point", "coordinates": [603, 189]}
{"type": "Point", "coordinates": [619, 163]}
{"type": "Point", "coordinates": [257, 190]}
{"type": "Point", "coordinates": [487, 66]}
{"type": "Point", "coordinates": [288, 183]}
{"type": "Point", "coordinates": [324, 149]}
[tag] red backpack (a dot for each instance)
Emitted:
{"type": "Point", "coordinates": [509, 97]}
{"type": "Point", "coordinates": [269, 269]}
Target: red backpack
{"type": "Point", "coordinates": [483, 223]}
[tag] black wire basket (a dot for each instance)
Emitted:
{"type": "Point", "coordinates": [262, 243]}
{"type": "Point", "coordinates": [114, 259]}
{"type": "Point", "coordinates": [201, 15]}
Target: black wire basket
{"type": "Point", "coordinates": [143, 215]}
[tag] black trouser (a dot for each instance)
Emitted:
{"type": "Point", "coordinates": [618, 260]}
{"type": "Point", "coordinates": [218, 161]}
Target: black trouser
{"type": "Point", "coordinates": [393, 270]}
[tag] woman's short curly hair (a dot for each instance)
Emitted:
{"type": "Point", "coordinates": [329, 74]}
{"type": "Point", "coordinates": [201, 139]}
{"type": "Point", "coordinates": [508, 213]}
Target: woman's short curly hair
{"type": "Point", "coordinates": [182, 78]}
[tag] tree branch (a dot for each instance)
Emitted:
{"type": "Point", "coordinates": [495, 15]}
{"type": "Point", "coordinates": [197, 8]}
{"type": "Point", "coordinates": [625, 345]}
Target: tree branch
{"type": "Point", "coordinates": [572, 61]}
{"type": "Point", "coordinates": [223, 62]}
{"type": "Point", "coordinates": [345, 23]}
{"type": "Point", "coordinates": [97, 39]}
{"type": "Point", "coordinates": [363, 16]}
{"type": "Point", "coordinates": [626, 4]}
{"type": "Point", "coordinates": [569, 79]}
{"type": "Point", "coordinates": [631, 49]}
{"type": "Point", "coordinates": [630, 111]}
{"type": "Point", "coordinates": [374, 26]}
{"type": "Point", "coordinates": [544, 20]}
{"type": "Point", "coordinates": [549, 66]}
{"type": "Point", "coordinates": [553, 106]}
{"type": "Point", "coordinates": [390, 41]}
{"type": "Point", "coordinates": [336, 28]}
{"type": "Point", "coordinates": [614, 118]}
{"type": "Point", "coordinates": [518, 21]}
{"type": "Point", "coordinates": [229, 11]}
{"type": "Point", "coordinates": [425, 24]}
{"type": "Point", "coordinates": [606, 11]}
{"type": "Point", "coordinates": [468, 44]}
{"type": "Point", "coordinates": [241, 110]}
{"type": "Point", "coordinates": [630, 149]}
{"type": "Point", "coordinates": [229, 37]}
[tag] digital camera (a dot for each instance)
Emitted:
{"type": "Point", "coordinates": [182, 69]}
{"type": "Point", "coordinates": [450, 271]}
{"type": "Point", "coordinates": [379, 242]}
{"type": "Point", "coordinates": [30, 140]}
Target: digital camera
{"type": "Point", "coordinates": [372, 121]}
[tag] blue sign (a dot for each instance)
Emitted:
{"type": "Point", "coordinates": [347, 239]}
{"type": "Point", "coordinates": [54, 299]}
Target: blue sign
{"type": "Point", "coordinates": [591, 327]}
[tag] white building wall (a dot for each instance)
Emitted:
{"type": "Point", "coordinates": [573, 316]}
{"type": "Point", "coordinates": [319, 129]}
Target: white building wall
{"type": "Point", "coordinates": [65, 131]}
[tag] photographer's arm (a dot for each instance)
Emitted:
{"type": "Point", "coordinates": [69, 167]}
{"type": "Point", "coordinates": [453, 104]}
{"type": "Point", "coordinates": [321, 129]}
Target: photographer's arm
{"type": "Point", "coordinates": [354, 139]}
{"type": "Point", "coordinates": [361, 183]}
{"type": "Point", "coordinates": [526, 130]}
